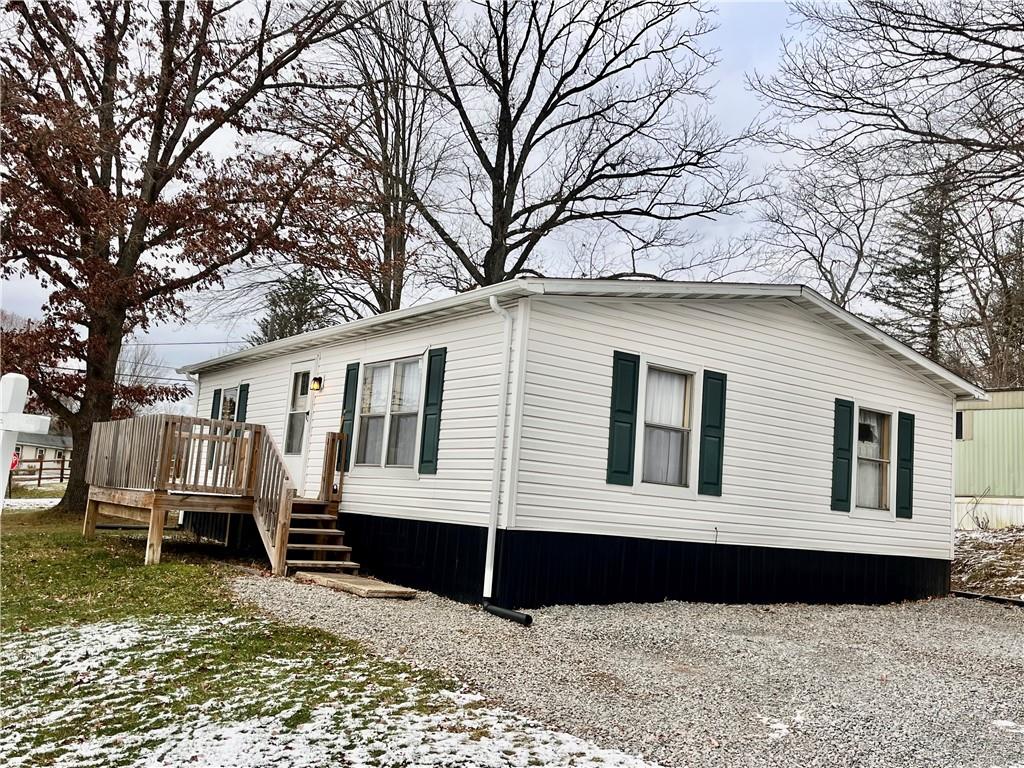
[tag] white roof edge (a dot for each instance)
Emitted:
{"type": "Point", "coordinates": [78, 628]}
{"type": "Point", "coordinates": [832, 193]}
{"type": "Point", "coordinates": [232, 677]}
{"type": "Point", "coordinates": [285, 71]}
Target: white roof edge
{"type": "Point", "coordinates": [972, 391]}
{"type": "Point", "coordinates": [326, 335]}
{"type": "Point", "coordinates": [597, 287]}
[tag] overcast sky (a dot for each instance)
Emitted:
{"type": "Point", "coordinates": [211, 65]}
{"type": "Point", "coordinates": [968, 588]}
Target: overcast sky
{"type": "Point", "coordinates": [747, 37]}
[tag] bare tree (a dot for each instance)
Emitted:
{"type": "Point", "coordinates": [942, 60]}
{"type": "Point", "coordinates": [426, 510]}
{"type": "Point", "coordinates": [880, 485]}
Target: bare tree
{"type": "Point", "coordinates": [988, 321]}
{"type": "Point", "coordinates": [383, 128]}
{"type": "Point", "coordinates": [117, 200]}
{"type": "Point", "coordinates": [567, 115]}
{"type": "Point", "coordinates": [912, 83]}
{"type": "Point", "coordinates": [826, 225]}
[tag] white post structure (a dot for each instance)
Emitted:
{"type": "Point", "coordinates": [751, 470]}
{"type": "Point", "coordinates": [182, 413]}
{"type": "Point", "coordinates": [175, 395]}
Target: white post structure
{"type": "Point", "coordinates": [13, 419]}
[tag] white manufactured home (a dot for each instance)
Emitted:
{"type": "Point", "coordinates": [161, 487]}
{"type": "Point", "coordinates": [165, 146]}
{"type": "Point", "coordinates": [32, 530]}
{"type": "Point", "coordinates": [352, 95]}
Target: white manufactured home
{"type": "Point", "coordinates": [550, 441]}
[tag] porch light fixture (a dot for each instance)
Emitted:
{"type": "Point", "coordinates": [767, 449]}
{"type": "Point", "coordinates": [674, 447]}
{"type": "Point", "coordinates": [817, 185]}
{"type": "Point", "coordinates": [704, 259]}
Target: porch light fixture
{"type": "Point", "coordinates": [316, 384]}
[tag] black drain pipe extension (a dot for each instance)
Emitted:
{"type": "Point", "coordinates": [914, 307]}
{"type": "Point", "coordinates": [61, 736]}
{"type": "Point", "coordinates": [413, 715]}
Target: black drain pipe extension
{"type": "Point", "coordinates": [507, 613]}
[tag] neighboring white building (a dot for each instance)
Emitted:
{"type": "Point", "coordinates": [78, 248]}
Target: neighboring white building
{"type": "Point", "coordinates": [48, 447]}
{"type": "Point", "coordinates": [546, 441]}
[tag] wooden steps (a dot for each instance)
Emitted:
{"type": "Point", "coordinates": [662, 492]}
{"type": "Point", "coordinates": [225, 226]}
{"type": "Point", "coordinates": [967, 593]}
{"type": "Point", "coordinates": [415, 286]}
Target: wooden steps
{"type": "Point", "coordinates": [323, 547]}
{"type": "Point", "coordinates": [314, 541]}
{"type": "Point", "coordinates": [325, 565]}
{"type": "Point", "coordinates": [317, 531]}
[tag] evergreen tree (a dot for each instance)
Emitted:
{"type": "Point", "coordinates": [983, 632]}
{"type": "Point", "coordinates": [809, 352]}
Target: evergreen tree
{"type": "Point", "coordinates": [294, 307]}
{"type": "Point", "coordinates": [919, 275]}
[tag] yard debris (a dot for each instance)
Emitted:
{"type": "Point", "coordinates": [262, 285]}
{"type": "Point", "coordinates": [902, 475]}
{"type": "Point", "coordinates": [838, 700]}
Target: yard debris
{"type": "Point", "coordinates": [990, 562]}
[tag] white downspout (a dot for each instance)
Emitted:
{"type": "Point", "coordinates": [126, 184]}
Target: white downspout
{"type": "Point", "coordinates": [499, 446]}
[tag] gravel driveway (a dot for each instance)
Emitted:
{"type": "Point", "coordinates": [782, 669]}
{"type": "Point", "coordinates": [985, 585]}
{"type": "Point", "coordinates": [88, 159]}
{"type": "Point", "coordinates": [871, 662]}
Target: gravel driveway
{"type": "Point", "coordinates": [937, 683]}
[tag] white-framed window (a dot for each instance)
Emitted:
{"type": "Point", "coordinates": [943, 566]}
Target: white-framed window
{"type": "Point", "coordinates": [389, 412]}
{"type": "Point", "coordinates": [59, 455]}
{"type": "Point", "coordinates": [229, 404]}
{"type": "Point", "coordinates": [874, 447]}
{"type": "Point", "coordinates": [40, 453]}
{"type": "Point", "coordinates": [17, 451]}
{"type": "Point", "coordinates": [666, 440]}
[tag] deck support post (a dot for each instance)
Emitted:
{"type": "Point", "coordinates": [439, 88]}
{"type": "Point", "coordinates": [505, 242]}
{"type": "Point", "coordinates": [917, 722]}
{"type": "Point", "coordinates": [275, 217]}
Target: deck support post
{"type": "Point", "coordinates": [92, 510]}
{"type": "Point", "coordinates": [155, 539]}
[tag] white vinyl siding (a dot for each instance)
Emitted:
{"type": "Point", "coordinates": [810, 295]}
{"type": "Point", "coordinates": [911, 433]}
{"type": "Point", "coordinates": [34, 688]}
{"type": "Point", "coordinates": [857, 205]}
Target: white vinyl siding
{"type": "Point", "coordinates": [785, 370]}
{"type": "Point", "coordinates": [460, 491]}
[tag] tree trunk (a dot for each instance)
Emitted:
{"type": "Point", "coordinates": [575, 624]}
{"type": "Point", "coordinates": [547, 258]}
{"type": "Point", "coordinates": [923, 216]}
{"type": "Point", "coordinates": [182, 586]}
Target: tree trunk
{"type": "Point", "coordinates": [78, 490]}
{"type": "Point", "coordinates": [97, 404]}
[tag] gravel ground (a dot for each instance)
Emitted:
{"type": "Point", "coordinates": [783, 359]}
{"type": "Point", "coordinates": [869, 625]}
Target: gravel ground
{"type": "Point", "coordinates": [936, 683]}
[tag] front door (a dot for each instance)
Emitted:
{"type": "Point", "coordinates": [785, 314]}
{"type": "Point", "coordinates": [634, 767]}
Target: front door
{"type": "Point", "coordinates": [296, 431]}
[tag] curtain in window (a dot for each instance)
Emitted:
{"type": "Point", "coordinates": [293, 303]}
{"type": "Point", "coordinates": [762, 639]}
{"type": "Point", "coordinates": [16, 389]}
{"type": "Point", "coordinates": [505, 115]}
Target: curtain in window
{"type": "Point", "coordinates": [872, 453]}
{"type": "Point", "coordinates": [375, 389]}
{"type": "Point", "coordinates": [665, 449]}
{"type": "Point", "coordinates": [406, 394]}
{"type": "Point", "coordinates": [870, 482]}
{"type": "Point", "coordinates": [665, 452]}
{"type": "Point", "coordinates": [870, 434]}
{"type": "Point", "coordinates": [666, 398]}
{"type": "Point", "coordinates": [405, 402]}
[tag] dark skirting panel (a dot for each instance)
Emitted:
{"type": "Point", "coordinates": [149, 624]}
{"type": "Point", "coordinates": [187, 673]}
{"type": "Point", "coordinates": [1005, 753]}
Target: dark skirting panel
{"type": "Point", "coordinates": [537, 568]}
{"type": "Point", "coordinates": [534, 568]}
{"type": "Point", "coordinates": [239, 536]}
{"type": "Point", "coordinates": [438, 557]}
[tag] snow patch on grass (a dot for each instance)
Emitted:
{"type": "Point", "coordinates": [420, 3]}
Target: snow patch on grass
{"type": "Point", "coordinates": [155, 692]}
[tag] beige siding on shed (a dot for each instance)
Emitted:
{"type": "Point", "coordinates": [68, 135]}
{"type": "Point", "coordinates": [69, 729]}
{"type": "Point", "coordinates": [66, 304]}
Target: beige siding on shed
{"type": "Point", "coordinates": [784, 369]}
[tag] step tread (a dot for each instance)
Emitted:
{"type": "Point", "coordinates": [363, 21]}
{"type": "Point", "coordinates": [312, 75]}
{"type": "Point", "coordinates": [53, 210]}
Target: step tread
{"type": "Point", "coordinates": [310, 502]}
{"type": "Point", "coordinates": [312, 516]}
{"type": "Point", "coordinates": [324, 547]}
{"type": "Point", "coordinates": [361, 586]}
{"type": "Point", "coordinates": [318, 531]}
{"type": "Point", "coordinates": [337, 564]}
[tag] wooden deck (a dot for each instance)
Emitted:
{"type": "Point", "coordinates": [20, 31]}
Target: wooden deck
{"type": "Point", "coordinates": [142, 468]}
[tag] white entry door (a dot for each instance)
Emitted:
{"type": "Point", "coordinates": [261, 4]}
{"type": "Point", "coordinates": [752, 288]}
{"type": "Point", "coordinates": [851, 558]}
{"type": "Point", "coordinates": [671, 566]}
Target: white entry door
{"type": "Point", "coordinates": [296, 430]}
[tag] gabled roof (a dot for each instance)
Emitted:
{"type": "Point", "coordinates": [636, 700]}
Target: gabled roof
{"type": "Point", "coordinates": [60, 442]}
{"type": "Point", "coordinates": [801, 295]}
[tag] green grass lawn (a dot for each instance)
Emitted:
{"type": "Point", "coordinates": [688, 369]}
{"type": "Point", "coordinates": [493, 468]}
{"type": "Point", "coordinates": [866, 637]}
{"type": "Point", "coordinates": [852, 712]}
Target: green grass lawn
{"type": "Point", "coordinates": [106, 662]}
{"type": "Point", "coordinates": [102, 656]}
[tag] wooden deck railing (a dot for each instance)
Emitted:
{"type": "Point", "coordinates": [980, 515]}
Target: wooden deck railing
{"type": "Point", "coordinates": [207, 456]}
{"type": "Point", "coordinates": [126, 453]}
{"type": "Point", "coordinates": [272, 494]}
{"type": "Point", "coordinates": [189, 455]}
{"type": "Point", "coordinates": [332, 476]}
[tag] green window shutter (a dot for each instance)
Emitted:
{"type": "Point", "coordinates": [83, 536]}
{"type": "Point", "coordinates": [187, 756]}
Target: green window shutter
{"type": "Point", "coordinates": [842, 455]}
{"type": "Point", "coordinates": [622, 426]}
{"type": "Point", "coordinates": [712, 434]}
{"type": "Point", "coordinates": [243, 402]}
{"type": "Point", "coordinates": [214, 414]}
{"type": "Point", "coordinates": [905, 466]}
{"type": "Point", "coordinates": [348, 413]}
{"type": "Point", "coordinates": [431, 434]}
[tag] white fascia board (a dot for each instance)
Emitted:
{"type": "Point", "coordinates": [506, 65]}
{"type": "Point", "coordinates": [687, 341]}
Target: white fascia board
{"type": "Point", "coordinates": [669, 289]}
{"type": "Point", "coordinates": [364, 325]}
{"type": "Point", "coordinates": [962, 387]}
